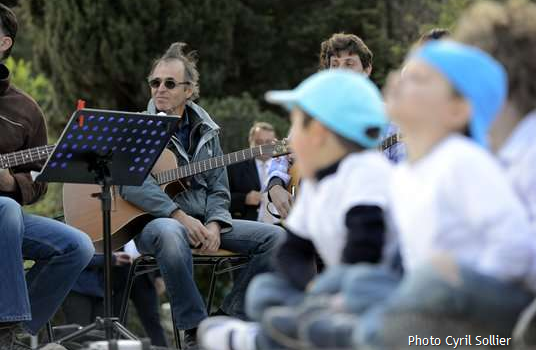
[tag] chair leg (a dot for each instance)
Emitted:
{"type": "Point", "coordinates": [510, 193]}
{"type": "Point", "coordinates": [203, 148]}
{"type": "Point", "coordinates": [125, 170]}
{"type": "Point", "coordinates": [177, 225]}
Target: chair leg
{"type": "Point", "coordinates": [212, 286]}
{"type": "Point", "coordinates": [50, 332]}
{"type": "Point", "coordinates": [176, 332]}
{"type": "Point", "coordinates": [128, 288]}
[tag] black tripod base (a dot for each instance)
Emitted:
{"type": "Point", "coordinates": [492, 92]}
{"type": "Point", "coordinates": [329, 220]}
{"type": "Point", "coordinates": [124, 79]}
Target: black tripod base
{"type": "Point", "coordinates": [110, 325]}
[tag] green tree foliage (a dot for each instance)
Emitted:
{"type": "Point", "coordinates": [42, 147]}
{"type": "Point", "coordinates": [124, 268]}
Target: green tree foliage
{"type": "Point", "coordinates": [236, 115]}
{"type": "Point", "coordinates": [36, 85]}
{"type": "Point", "coordinates": [101, 50]}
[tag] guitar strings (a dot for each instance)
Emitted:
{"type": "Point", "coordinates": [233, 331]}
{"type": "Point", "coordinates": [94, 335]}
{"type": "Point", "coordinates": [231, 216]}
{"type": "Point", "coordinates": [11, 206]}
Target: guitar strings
{"type": "Point", "coordinates": [18, 157]}
{"type": "Point", "coordinates": [207, 164]}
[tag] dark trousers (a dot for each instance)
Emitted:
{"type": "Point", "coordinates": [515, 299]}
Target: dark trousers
{"type": "Point", "coordinates": [82, 309]}
{"type": "Point", "coordinates": [145, 299]}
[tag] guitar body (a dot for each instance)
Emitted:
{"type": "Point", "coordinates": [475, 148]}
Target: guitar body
{"type": "Point", "coordinates": [83, 210]}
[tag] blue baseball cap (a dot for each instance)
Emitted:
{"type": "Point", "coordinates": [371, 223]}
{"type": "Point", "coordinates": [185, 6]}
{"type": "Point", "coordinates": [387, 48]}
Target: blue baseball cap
{"type": "Point", "coordinates": [479, 78]}
{"type": "Point", "coordinates": [345, 102]}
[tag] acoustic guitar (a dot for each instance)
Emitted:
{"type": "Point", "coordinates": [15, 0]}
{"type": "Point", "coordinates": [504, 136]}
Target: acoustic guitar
{"type": "Point", "coordinates": [82, 210]}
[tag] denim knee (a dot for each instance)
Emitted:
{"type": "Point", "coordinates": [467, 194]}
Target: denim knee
{"type": "Point", "coordinates": [10, 213]}
{"type": "Point", "coordinates": [163, 235]}
{"type": "Point", "coordinates": [264, 291]}
{"type": "Point", "coordinates": [84, 249]}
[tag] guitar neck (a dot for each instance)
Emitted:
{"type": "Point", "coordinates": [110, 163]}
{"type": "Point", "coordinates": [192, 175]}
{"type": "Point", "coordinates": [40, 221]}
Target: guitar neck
{"type": "Point", "coordinates": [215, 162]}
{"type": "Point", "coordinates": [10, 160]}
{"type": "Point", "coordinates": [390, 141]}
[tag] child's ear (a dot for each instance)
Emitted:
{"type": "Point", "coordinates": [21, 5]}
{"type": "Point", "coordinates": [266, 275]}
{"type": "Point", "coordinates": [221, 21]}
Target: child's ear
{"type": "Point", "coordinates": [318, 133]}
{"type": "Point", "coordinates": [460, 113]}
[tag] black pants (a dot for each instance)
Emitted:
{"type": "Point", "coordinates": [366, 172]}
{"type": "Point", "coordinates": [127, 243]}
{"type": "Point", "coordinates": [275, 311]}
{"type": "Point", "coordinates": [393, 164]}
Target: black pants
{"type": "Point", "coordinates": [82, 309]}
{"type": "Point", "coordinates": [145, 299]}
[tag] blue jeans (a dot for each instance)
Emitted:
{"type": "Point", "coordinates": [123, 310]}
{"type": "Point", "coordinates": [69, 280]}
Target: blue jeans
{"type": "Point", "coordinates": [60, 253]}
{"type": "Point", "coordinates": [167, 240]}
{"type": "Point", "coordinates": [455, 291]}
{"type": "Point", "coordinates": [273, 289]}
{"type": "Point", "coordinates": [268, 290]}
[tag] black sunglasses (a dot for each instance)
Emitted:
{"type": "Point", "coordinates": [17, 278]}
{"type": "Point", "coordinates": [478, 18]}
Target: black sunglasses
{"type": "Point", "coordinates": [170, 84]}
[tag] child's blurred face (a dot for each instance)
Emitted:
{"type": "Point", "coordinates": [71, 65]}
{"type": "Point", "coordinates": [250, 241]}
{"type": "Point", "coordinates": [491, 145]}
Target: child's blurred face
{"type": "Point", "coordinates": [303, 143]}
{"type": "Point", "coordinates": [421, 98]}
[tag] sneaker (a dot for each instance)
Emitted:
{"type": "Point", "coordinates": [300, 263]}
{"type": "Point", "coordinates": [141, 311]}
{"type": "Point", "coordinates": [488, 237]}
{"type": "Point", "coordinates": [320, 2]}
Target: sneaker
{"type": "Point", "coordinates": [8, 338]}
{"type": "Point", "coordinates": [227, 333]}
{"type": "Point", "coordinates": [325, 330]}
{"type": "Point", "coordinates": [282, 323]}
{"type": "Point", "coordinates": [190, 339]}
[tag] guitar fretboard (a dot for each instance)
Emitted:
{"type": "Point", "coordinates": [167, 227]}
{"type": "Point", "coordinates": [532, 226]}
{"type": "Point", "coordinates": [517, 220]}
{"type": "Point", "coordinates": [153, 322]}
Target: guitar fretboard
{"type": "Point", "coordinates": [390, 141]}
{"type": "Point", "coordinates": [213, 163]}
{"type": "Point", "coordinates": [14, 159]}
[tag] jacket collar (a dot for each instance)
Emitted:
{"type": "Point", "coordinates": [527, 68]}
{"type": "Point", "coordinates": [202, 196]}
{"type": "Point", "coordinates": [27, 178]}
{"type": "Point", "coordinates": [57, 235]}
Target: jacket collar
{"type": "Point", "coordinates": [200, 112]}
{"type": "Point", "coordinates": [4, 78]}
{"type": "Point", "coordinates": [200, 118]}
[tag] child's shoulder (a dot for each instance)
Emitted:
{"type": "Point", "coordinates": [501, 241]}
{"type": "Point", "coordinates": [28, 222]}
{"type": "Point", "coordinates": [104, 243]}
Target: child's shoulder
{"type": "Point", "coordinates": [467, 165]}
{"type": "Point", "coordinates": [460, 152]}
{"type": "Point", "coordinates": [365, 162]}
{"type": "Point", "coordinates": [361, 177]}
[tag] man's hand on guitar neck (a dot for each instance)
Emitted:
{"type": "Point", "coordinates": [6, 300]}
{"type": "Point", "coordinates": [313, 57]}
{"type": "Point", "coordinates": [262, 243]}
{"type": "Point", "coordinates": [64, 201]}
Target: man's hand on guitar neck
{"type": "Point", "coordinates": [281, 199]}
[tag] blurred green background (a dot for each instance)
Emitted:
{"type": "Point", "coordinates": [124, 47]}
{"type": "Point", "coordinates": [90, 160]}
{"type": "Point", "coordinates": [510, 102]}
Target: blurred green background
{"type": "Point", "coordinates": [101, 51]}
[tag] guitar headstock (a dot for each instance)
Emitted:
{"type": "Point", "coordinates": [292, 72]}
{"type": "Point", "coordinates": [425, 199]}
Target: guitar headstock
{"type": "Point", "coordinates": [281, 147]}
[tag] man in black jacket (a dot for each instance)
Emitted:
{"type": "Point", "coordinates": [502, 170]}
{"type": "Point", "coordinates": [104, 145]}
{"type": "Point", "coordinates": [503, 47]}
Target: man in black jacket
{"type": "Point", "coordinates": [247, 180]}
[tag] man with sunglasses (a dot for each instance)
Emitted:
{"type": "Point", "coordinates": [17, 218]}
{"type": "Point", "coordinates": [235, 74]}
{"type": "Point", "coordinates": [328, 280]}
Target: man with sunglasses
{"type": "Point", "coordinates": [60, 252]}
{"type": "Point", "coordinates": [198, 217]}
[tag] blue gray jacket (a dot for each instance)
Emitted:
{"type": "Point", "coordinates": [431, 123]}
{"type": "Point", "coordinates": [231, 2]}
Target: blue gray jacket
{"type": "Point", "coordinates": [208, 198]}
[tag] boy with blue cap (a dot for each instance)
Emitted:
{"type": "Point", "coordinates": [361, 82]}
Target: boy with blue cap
{"type": "Point", "coordinates": [465, 239]}
{"type": "Point", "coordinates": [341, 50]}
{"type": "Point", "coordinates": [337, 119]}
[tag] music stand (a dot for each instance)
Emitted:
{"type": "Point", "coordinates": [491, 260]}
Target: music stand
{"type": "Point", "coordinates": [107, 148]}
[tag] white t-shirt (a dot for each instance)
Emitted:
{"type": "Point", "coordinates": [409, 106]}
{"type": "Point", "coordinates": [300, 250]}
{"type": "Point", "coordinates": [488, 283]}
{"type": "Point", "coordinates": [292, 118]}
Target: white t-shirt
{"type": "Point", "coordinates": [457, 200]}
{"type": "Point", "coordinates": [320, 210]}
{"type": "Point", "coordinates": [518, 156]}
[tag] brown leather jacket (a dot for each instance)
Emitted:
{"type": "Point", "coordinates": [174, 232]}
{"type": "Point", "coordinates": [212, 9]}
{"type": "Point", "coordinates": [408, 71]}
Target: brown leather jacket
{"type": "Point", "coordinates": [22, 126]}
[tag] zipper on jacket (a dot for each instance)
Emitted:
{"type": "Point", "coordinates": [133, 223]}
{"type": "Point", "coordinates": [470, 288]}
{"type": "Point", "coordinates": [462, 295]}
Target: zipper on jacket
{"type": "Point", "coordinates": [11, 121]}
